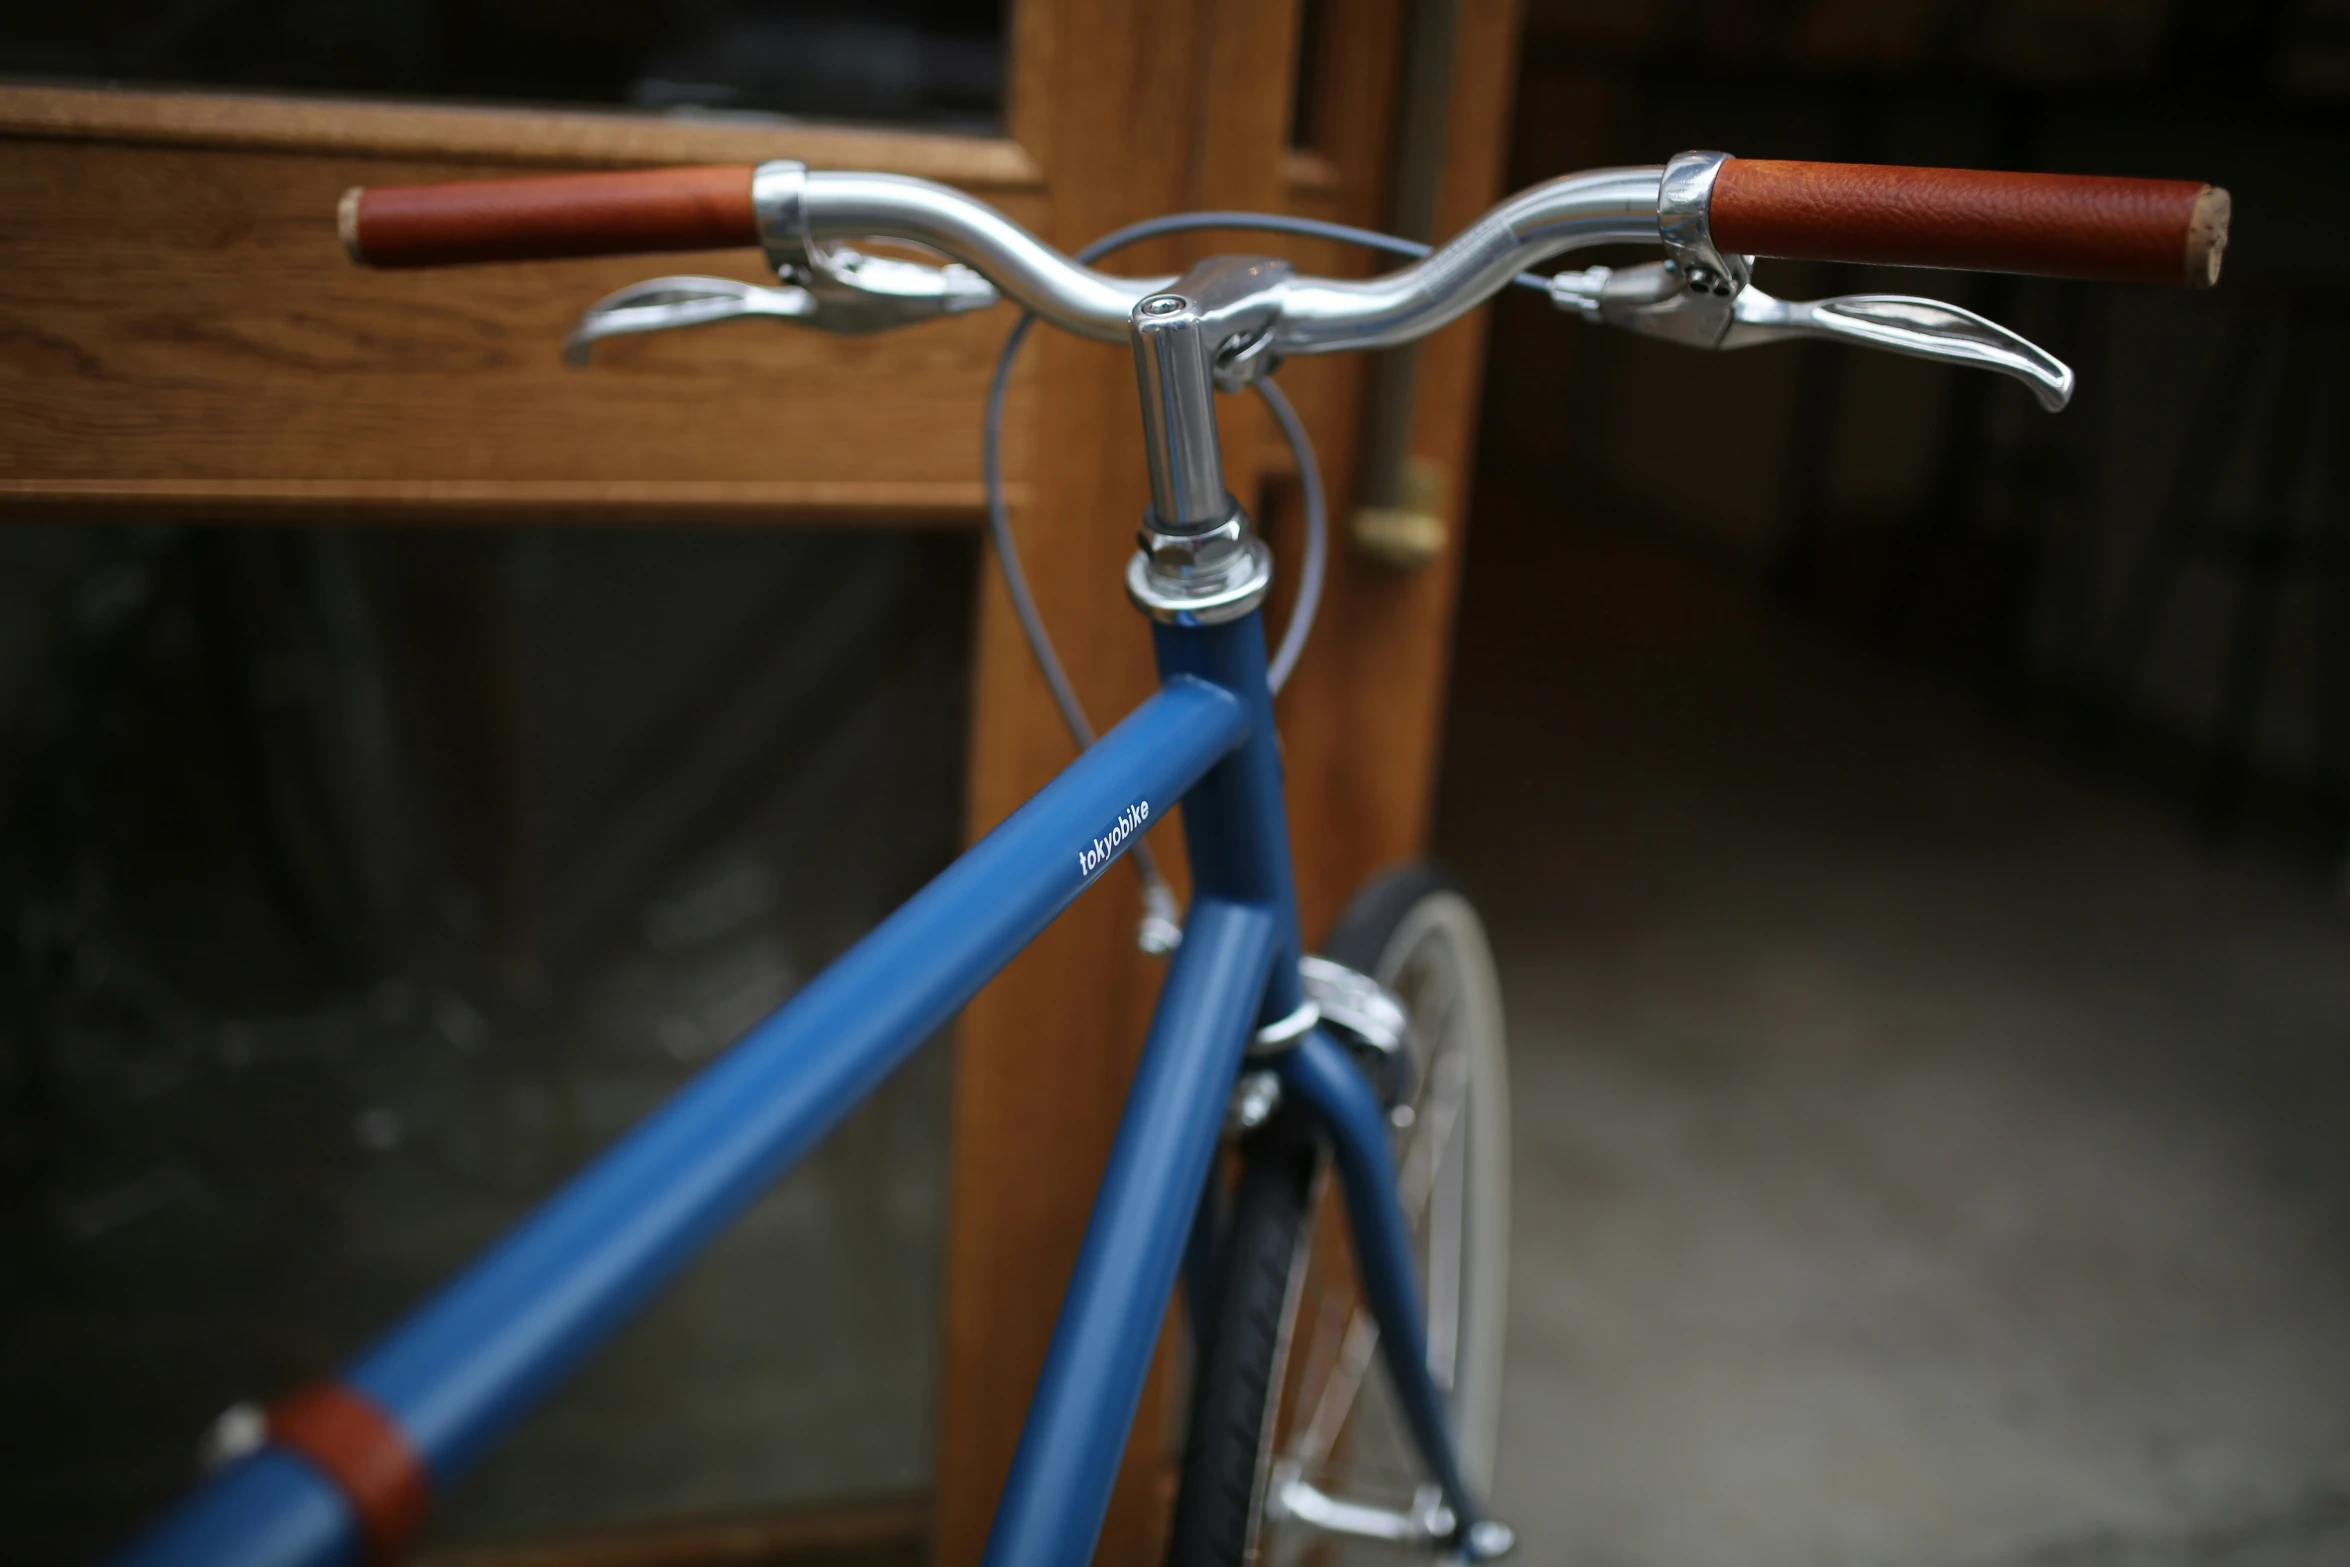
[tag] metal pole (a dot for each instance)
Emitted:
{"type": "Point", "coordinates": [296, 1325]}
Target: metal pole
{"type": "Point", "coordinates": [1392, 520]}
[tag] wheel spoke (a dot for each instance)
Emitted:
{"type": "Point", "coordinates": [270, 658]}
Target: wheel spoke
{"type": "Point", "coordinates": [1432, 1136]}
{"type": "Point", "coordinates": [1334, 1312]}
{"type": "Point", "coordinates": [1444, 1225]}
{"type": "Point", "coordinates": [1337, 1398]}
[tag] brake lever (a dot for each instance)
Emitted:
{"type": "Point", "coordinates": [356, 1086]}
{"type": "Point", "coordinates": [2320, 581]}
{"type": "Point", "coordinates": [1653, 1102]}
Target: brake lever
{"type": "Point", "coordinates": [664, 304]}
{"type": "Point", "coordinates": [839, 290]}
{"type": "Point", "coordinates": [1651, 301]}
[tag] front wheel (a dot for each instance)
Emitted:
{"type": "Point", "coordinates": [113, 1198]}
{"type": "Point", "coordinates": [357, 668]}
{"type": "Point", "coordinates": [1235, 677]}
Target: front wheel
{"type": "Point", "coordinates": [1292, 1440]}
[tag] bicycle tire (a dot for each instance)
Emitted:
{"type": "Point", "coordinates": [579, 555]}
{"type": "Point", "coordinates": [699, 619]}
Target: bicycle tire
{"type": "Point", "coordinates": [1243, 1364]}
{"type": "Point", "coordinates": [1244, 1353]}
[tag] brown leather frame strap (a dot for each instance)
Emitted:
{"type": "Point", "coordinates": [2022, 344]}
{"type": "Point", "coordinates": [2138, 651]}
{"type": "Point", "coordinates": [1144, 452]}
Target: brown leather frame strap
{"type": "Point", "coordinates": [2056, 225]}
{"type": "Point", "coordinates": [365, 1453]}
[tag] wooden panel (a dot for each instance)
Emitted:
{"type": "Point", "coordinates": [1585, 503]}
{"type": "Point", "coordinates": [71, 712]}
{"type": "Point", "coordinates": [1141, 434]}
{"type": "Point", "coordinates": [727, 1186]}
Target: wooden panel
{"type": "Point", "coordinates": [880, 1533]}
{"type": "Point", "coordinates": [570, 138]}
{"type": "Point", "coordinates": [248, 348]}
{"type": "Point", "coordinates": [180, 331]}
{"type": "Point", "coordinates": [875, 502]}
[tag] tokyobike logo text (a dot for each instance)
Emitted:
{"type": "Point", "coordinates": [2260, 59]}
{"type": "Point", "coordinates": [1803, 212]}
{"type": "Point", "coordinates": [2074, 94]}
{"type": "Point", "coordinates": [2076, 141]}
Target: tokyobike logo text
{"type": "Point", "coordinates": [1098, 853]}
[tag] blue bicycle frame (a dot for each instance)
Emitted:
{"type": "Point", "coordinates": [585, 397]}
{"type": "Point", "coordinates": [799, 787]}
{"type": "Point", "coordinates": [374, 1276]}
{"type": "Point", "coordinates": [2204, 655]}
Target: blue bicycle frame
{"type": "Point", "coordinates": [474, 1358]}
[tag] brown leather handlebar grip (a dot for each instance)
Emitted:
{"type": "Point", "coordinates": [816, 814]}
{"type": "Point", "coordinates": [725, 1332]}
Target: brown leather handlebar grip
{"type": "Point", "coordinates": [620, 214]}
{"type": "Point", "coordinates": [2052, 225]}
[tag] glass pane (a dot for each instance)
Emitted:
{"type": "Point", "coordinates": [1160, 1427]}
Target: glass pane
{"type": "Point", "coordinates": [369, 884]}
{"type": "Point", "coordinates": [921, 61]}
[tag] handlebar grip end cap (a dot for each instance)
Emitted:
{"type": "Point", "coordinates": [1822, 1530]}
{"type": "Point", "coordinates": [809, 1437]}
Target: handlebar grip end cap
{"type": "Point", "coordinates": [347, 224]}
{"type": "Point", "coordinates": [2207, 237]}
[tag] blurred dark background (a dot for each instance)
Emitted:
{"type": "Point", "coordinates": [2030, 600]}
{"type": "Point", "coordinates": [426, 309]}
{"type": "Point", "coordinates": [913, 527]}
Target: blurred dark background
{"type": "Point", "coordinates": [923, 62]}
{"type": "Point", "coordinates": [1913, 826]}
{"type": "Point", "coordinates": [2155, 575]}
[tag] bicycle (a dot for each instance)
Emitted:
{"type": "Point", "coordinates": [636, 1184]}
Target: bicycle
{"type": "Point", "coordinates": [1391, 1043]}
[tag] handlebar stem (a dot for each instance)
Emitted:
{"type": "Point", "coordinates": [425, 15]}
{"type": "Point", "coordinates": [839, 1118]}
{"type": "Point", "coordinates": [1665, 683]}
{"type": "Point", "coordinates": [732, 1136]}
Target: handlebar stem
{"type": "Point", "coordinates": [1199, 561]}
{"type": "Point", "coordinates": [1174, 370]}
{"type": "Point", "coordinates": [1185, 337]}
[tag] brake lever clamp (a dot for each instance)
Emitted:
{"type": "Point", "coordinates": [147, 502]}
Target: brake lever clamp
{"type": "Point", "coordinates": [1691, 297]}
{"type": "Point", "coordinates": [1684, 202]}
{"type": "Point", "coordinates": [833, 288]}
{"type": "Point", "coordinates": [848, 290]}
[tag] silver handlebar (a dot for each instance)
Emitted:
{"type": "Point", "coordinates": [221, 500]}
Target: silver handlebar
{"type": "Point", "coordinates": [1315, 315]}
{"type": "Point", "coordinates": [1700, 297]}
{"type": "Point", "coordinates": [1603, 207]}
{"type": "Point", "coordinates": [801, 213]}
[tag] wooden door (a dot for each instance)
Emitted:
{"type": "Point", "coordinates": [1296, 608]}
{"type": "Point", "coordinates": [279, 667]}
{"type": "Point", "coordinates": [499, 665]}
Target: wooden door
{"type": "Point", "coordinates": [183, 338]}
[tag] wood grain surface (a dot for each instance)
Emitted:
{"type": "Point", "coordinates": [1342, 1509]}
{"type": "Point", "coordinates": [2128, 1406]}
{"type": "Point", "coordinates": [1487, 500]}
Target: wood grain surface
{"type": "Point", "coordinates": [564, 138]}
{"type": "Point", "coordinates": [711, 503]}
{"type": "Point", "coordinates": [230, 342]}
{"type": "Point", "coordinates": [879, 1532]}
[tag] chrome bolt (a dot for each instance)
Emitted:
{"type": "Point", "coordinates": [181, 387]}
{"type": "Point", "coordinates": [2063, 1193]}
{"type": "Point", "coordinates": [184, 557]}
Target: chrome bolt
{"type": "Point", "coordinates": [1157, 936]}
{"type": "Point", "coordinates": [238, 1430]}
{"type": "Point", "coordinates": [1164, 304]}
{"type": "Point", "coordinates": [1160, 930]}
{"type": "Point", "coordinates": [1489, 1538]}
{"type": "Point", "coordinates": [1254, 1099]}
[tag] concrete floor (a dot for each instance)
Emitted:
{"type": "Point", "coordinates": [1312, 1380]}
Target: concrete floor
{"type": "Point", "coordinates": [1926, 1152]}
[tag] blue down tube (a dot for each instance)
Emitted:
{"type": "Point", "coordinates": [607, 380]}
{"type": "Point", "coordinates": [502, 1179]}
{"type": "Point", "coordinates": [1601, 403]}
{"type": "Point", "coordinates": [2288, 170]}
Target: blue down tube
{"type": "Point", "coordinates": [1059, 1488]}
{"type": "Point", "coordinates": [476, 1356]}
